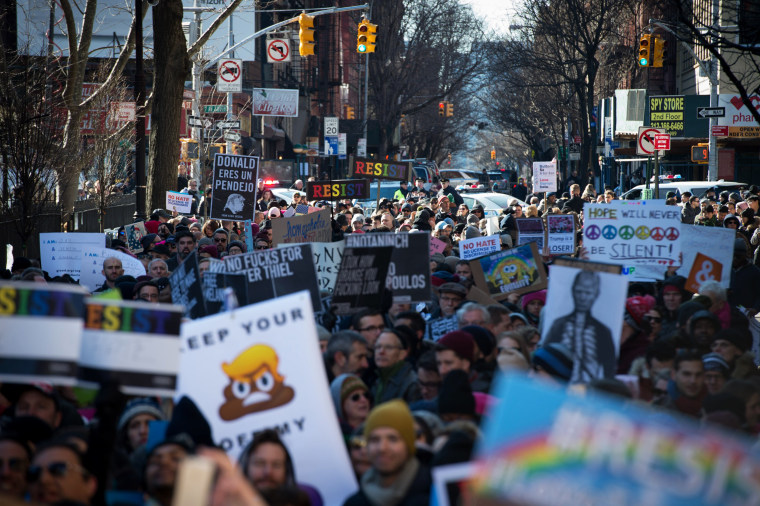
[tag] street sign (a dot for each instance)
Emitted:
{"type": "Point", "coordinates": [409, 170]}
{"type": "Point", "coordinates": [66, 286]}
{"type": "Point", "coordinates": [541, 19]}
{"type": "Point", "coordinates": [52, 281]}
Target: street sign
{"type": "Point", "coordinates": [574, 151]}
{"type": "Point", "coordinates": [232, 136]}
{"type": "Point", "coordinates": [662, 142]}
{"type": "Point", "coordinates": [207, 123]}
{"type": "Point", "coordinates": [719, 130]}
{"type": "Point", "coordinates": [215, 108]}
{"type": "Point", "coordinates": [645, 140]}
{"type": "Point", "coordinates": [229, 76]}
{"type": "Point", "coordinates": [331, 126]}
{"type": "Point", "coordinates": [361, 148]}
{"type": "Point", "coordinates": [342, 145]}
{"type": "Point", "coordinates": [331, 146]}
{"type": "Point", "coordinates": [711, 112]}
{"type": "Point", "coordinates": [225, 124]}
{"type": "Point", "coordinates": [195, 121]}
{"type": "Point", "coordinates": [278, 50]}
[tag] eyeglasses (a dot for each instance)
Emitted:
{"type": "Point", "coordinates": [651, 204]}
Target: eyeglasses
{"type": "Point", "coordinates": [359, 395]}
{"type": "Point", "coordinates": [653, 319]}
{"type": "Point", "coordinates": [14, 464]}
{"type": "Point", "coordinates": [387, 347]}
{"type": "Point", "coordinates": [373, 328]}
{"type": "Point", "coordinates": [449, 299]}
{"type": "Point", "coordinates": [56, 469]}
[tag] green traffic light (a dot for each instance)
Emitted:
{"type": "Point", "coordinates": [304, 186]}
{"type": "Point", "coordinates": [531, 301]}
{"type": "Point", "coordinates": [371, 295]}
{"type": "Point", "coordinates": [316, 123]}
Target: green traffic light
{"type": "Point", "coordinates": [643, 62]}
{"type": "Point", "coordinates": [362, 48]}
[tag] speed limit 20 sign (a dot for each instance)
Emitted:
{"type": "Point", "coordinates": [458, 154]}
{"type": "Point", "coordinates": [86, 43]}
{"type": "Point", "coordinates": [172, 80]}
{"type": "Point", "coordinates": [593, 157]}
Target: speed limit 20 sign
{"type": "Point", "coordinates": [229, 76]}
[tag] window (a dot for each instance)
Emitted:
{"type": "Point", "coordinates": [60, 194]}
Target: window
{"type": "Point", "coordinates": [749, 22]}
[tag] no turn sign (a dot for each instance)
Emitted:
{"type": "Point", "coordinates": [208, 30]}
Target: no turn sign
{"type": "Point", "coordinates": [645, 140]}
{"type": "Point", "coordinates": [278, 51]}
{"type": "Point", "coordinates": [229, 76]}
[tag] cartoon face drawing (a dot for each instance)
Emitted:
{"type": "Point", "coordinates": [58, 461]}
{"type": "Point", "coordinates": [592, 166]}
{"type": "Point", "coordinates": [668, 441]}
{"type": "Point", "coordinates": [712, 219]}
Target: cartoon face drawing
{"type": "Point", "coordinates": [255, 384]}
{"type": "Point", "coordinates": [235, 203]}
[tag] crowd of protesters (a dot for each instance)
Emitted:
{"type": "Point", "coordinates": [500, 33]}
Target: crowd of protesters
{"type": "Point", "coordinates": [410, 383]}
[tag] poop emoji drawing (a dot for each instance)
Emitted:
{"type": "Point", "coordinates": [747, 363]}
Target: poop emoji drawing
{"type": "Point", "coordinates": [255, 385]}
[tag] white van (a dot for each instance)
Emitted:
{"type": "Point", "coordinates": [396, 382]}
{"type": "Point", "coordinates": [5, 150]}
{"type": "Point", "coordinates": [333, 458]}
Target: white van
{"type": "Point", "coordinates": [698, 188]}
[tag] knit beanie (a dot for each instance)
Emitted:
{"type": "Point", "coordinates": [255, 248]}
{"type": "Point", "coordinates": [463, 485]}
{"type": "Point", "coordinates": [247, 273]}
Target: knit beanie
{"type": "Point", "coordinates": [529, 297]}
{"type": "Point", "coordinates": [472, 232]}
{"type": "Point", "coordinates": [687, 309]}
{"type": "Point", "coordinates": [460, 342]}
{"type": "Point", "coordinates": [139, 406]}
{"type": "Point", "coordinates": [396, 415]}
{"type": "Point", "coordinates": [715, 362]}
{"type": "Point", "coordinates": [555, 359]}
{"type": "Point", "coordinates": [742, 339]}
{"type": "Point", "coordinates": [455, 396]}
{"type": "Point", "coordinates": [341, 389]}
{"type": "Point", "coordinates": [484, 338]}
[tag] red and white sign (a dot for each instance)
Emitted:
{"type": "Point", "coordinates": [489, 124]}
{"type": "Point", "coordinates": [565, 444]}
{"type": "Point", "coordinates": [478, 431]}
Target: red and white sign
{"type": "Point", "coordinates": [275, 102]}
{"type": "Point", "coordinates": [645, 141]}
{"type": "Point", "coordinates": [278, 51]}
{"type": "Point", "coordinates": [123, 111]}
{"type": "Point", "coordinates": [230, 76]}
{"type": "Point", "coordinates": [477, 247]}
{"type": "Point", "coordinates": [720, 131]}
{"type": "Point", "coordinates": [662, 142]}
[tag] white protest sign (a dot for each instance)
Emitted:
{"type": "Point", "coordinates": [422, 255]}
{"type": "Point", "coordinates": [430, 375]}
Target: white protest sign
{"type": "Point", "coordinates": [134, 343]}
{"type": "Point", "coordinates": [327, 257]}
{"type": "Point", "coordinates": [633, 233]}
{"type": "Point", "coordinates": [260, 367]}
{"type": "Point", "coordinates": [180, 202]}
{"type": "Point", "coordinates": [560, 230]}
{"type": "Point", "coordinates": [492, 225]}
{"type": "Point", "coordinates": [61, 252]}
{"type": "Point", "coordinates": [714, 242]}
{"type": "Point", "coordinates": [40, 332]}
{"type": "Point", "coordinates": [92, 266]}
{"type": "Point", "coordinates": [477, 247]}
{"type": "Point", "coordinates": [531, 230]}
{"type": "Point", "coordinates": [544, 177]}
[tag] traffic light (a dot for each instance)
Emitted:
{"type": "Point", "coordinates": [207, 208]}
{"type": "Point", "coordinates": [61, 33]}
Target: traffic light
{"type": "Point", "coordinates": [659, 51]}
{"type": "Point", "coordinates": [493, 154]}
{"type": "Point", "coordinates": [449, 158]}
{"type": "Point", "coordinates": [403, 122]}
{"type": "Point", "coordinates": [645, 49]}
{"type": "Point", "coordinates": [350, 112]}
{"type": "Point", "coordinates": [449, 109]}
{"type": "Point", "coordinates": [700, 154]}
{"type": "Point", "coordinates": [306, 34]}
{"type": "Point", "coordinates": [441, 108]}
{"type": "Point", "coordinates": [365, 37]}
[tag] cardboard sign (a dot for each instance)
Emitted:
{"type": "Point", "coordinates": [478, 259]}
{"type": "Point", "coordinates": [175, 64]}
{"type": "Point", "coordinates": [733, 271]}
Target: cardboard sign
{"type": "Point", "coordinates": [379, 169]}
{"type": "Point", "coordinates": [338, 189]}
{"type": "Point", "coordinates": [185, 282]}
{"type": "Point", "coordinates": [531, 230]}
{"type": "Point", "coordinates": [517, 270]}
{"type": "Point", "coordinates": [134, 233]}
{"type": "Point", "coordinates": [61, 253]}
{"type": "Point", "coordinates": [436, 246]}
{"type": "Point", "coordinates": [568, 449]}
{"type": "Point", "coordinates": [327, 257]}
{"type": "Point", "coordinates": [704, 269]}
{"type": "Point", "coordinates": [40, 332]}
{"type": "Point", "coordinates": [584, 312]}
{"type": "Point", "coordinates": [91, 275]}
{"type": "Point", "coordinates": [712, 242]}
{"type": "Point", "coordinates": [260, 367]}
{"type": "Point", "coordinates": [544, 177]}
{"type": "Point", "coordinates": [633, 232]}
{"type": "Point", "coordinates": [180, 202]}
{"type": "Point", "coordinates": [214, 284]}
{"type": "Point", "coordinates": [134, 343]}
{"type": "Point", "coordinates": [234, 184]}
{"type": "Point", "coordinates": [361, 279]}
{"type": "Point", "coordinates": [312, 227]}
{"type": "Point", "coordinates": [276, 272]}
{"type": "Point", "coordinates": [470, 249]}
{"type": "Point", "coordinates": [407, 273]}
{"type": "Point", "coordinates": [560, 234]}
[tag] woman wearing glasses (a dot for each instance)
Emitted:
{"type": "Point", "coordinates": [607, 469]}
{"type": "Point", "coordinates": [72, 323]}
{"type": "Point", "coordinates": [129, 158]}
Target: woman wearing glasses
{"type": "Point", "coordinates": [462, 213]}
{"type": "Point", "coordinates": [351, 400]}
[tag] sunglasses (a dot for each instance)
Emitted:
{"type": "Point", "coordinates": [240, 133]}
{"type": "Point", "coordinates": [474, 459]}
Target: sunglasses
{"type": "Point", "coordinates": [56, 469]}
{"type": "Point", "coordinates": [359, 395]}
{"type": "Point", "coordinates": [222, 239]}
{"type": "Point", "coordinates": [653, 319]}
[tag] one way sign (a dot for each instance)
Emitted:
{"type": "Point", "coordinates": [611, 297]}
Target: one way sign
{"type": "Point", "coordinates": [198, 122]}
{"type": "Point", "coordinates": [711, 112]}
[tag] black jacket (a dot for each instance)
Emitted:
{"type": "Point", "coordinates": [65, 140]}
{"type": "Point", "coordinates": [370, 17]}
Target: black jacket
{"type": "Point", "coordinates": [417, 495]}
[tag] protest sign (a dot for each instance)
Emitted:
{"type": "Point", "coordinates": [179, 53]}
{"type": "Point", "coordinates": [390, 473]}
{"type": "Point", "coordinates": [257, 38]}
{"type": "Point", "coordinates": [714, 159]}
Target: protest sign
{"type": "Point", "coordinates": [560, 234]}
{"type": "Point", "coordinates": [703, 269]}
{"type": "Point", "coordinates": [633, 232]}
{"type": "Point", "coordinates": [214, 284]}
{"type": "Point", "coordinates": [530, 230]}
{"type": "Point", "coordinates": [186, 287]}
{"type": "Point", "coordinates": [582, 293]}
{"type": "Point", "coordinates": [61, 252]}
{"type": "Point", "coordinates": [566, 449]}
{"type": "Point", "coordinates": [544, 177]}
{"type": "Point", "coordinates": [180, 202]}
{"type": "Point", "coordinates": [713, 242]}
{"type": "Point", "coordinates": [260, 367]}
{"type": "Point", "coordinates": [327, 257]}
{"type": "Point", "coordinates": [436, 246]}
{"type": "Point", "coordinates": [450, 482]}
{"type": "Point", "coordinates": [248, 235]}
{"type": "Point", "coordinates": [40, 332]}
{"type": "Point", "coordinates": [312, 227]}
{"type": "Point", "coordinates": [517, 270]}
{"type": "Point", "coordinates": [492, 226]}
{"type": "Point", "coordinates": [276, 272]}
{"type": "Point", "coordinates": [134, 233]}
{"type": "Point", "coordinates": [91, 275]}
{"type": "Point", "coordinates": [477, 247]}
{"type": "Point", "coordinates": [379, 169]}
{"type": "Point", "coordinates": [134, 343]}
{"type": "Point", "coordinates": [215, 265]}
{"type": "Point", "coordinates": [406, 280]}
{"type": "Point", "coordinates": [337, 189]}
{"type": "Point", "coordinates": [361, 279]}
{"type": "Point", "coordinates": [234, 184]}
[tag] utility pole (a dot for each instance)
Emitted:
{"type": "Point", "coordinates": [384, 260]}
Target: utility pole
{"type": "Point", "coordinates": [140, 176]}
{"type": "Point", "coordinates": [230, 95]}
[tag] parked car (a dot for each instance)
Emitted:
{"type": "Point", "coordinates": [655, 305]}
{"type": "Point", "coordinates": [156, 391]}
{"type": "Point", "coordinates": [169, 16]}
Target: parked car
{"type": "Point", "coordinates": [698, 188]}
{"type": "Point", "coordinates": [493, 203]}
{"type": "Point", "coordinates": [459, 178]}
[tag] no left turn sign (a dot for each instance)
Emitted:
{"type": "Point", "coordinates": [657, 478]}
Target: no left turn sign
{"type": "Point", "coordinates": [278, 51]}
{"type": "Point", "coordinates": [230, 76]}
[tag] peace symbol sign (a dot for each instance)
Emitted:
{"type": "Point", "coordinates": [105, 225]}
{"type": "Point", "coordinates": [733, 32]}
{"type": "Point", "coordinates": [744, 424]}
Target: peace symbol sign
{"type": "Point", "coordinates": [626, 232]}
{"type": "Point", "coordinates": [671, 233]}
{"type": "Point", "coordinates": [592, 232]}
{"type": "Point", "coordinates": [657, 233]}
{"type": "Point", "coordinates": [642, 232]}
{"type": "Point", "coordinates": [609, 232]}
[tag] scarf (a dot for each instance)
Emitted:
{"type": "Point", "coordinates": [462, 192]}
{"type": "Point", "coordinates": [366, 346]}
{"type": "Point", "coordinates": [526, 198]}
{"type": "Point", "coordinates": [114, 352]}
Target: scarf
{"type": "Point", "coordinates": [392, 495]}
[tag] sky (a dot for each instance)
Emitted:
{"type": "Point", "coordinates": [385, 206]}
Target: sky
{"type": "Point", "coordinates": [495, 12]}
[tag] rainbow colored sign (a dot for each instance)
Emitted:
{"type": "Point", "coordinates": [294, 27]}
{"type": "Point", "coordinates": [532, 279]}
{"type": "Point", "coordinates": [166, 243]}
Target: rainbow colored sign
{"type": "Point", "coordinates": [564, 449]}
